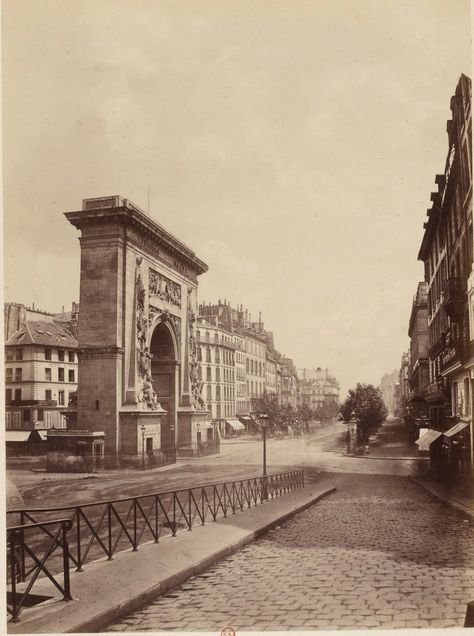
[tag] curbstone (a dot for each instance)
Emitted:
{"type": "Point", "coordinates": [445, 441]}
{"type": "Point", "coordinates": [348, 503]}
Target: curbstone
{"type": "Point", "coordinates": [458, 507]}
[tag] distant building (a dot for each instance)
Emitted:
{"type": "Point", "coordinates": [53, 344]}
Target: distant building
{"type": "Point", "coordinates": [402, 389]}
{"type": "Point", "coordinates": [387, 388]}
{"type": "Point", "coordinates": [317, 388]}
{"type": "Point", "coordinates": [418, 373]}
{"type": "Point", "coordinates": [40, 368]}
{"type": "Point", "coordinates": [289, 383]}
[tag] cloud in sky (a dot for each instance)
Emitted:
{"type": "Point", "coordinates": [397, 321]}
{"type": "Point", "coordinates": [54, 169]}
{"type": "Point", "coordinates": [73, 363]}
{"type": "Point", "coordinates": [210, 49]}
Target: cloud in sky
{"type": "Point", "coordinates": [293, 145]}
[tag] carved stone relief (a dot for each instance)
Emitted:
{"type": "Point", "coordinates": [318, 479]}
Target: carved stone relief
{"type": "Point", "coordinates": [146, 393]}
{"type": "Point", "coordinates": [196, 384]}
{"type": "Point", "coordinates": [163, 288]}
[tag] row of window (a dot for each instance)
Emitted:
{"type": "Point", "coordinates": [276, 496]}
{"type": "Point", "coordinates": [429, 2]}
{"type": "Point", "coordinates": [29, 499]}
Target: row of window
{"type": "Point", "coordinates": [224, 339]}
{"type": "Point", "coordinates": [15, 394]}
{"type": "Point", "coordinates": [47, 419]}
{"type": "Point", "coordinates": [254, 389]}
{"type": "Point", "coordinates": [254, 368]}
{"type": "Point", "coordinates": [256, 348]}
{"type": "Point", "coordinates": [227, 392]}
{"type": "Point", "coordinates": [71, 375]}
{"type": "Point", "coordinates": [227, 356]}
{"type": "Point", "coordinates": [222, 410]}
{"type": "Point", "coordinates": [227, 374]}
{"type": "Point", "coordinates": [17, 354]}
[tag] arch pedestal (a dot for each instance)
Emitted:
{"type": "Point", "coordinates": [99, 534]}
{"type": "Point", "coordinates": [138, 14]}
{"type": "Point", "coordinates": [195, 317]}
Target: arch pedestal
{"type": "Point", "coordinates": [138, 380]}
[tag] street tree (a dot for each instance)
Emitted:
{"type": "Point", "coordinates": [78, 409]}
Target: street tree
{"type": "Point", "coordinates": [365, 404]}
{"type": "Point", "coordinates": [269, 405]}
{"type": "Point", "coordinates": [305, 414]}
{"type": "Point", "coordinates": [327, 411]}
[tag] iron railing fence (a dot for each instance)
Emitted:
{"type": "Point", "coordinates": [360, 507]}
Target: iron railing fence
{"type": "Point", "coordinates": [24, 565]}
{"type": "Point", "coordinates": [100, 529]}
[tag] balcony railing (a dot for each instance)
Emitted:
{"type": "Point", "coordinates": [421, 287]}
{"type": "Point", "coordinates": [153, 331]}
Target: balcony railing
{"type": "Point", "coordinates": [416, 393]}
{"type": "Point", "coordinates": [32, 403]}
{"type": "Point", "coordinates": [436, 391]}
{"type": "Point", "coordinates": [455, 297]}
{"type": "Point", "coordinates": [453, 354]}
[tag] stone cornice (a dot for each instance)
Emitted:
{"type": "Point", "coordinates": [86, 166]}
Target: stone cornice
{"type": "Point", "coordinates": [100, 352]}
{"type": "Point", "coordinates": [128, 214]}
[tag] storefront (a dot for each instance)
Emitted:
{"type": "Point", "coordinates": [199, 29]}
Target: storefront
{"type": "Point", "coordinates": [457, 450]}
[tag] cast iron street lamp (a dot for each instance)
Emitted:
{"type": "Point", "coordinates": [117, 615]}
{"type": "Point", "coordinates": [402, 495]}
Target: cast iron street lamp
{"type": "Point", "coordinates": [143, 427]}
{"type": "Point", "coordinates": [263, 419]}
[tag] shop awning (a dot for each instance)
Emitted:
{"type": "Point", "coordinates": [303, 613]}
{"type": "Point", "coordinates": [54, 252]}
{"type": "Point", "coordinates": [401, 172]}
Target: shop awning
{"type": "Point", "coordinates": [457, 428]}
{"type": "Point", "coordinates": [17, 436]}
{"type": "Point", "coordinates": [43, 435]}
{"type": "Point", "coordinates": [236, 425]}
{"type": "Point", "coordinates": [427, 439]}
{"type": "Point", "coordinates": [246, 418]}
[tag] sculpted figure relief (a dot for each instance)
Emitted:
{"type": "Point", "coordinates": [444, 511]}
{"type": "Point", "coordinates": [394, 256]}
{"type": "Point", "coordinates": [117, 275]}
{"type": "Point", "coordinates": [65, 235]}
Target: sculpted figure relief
{"type": "Point", "coordinates": [196, 384]}
{"type": "Point", "coordinates": [163, 288]}
{"type": "Point", "coordinates": [146, 392]}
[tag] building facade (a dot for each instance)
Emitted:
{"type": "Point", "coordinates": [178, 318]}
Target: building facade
{"type": "Point", "coordinates": [289, 383]}
{"type": "Point", "coordinates": [41, 367]}
{"type": "Point", "coordinates": [318, 389]}
{"type": "Point", "coordinates": [387, 388]}
{"type": "Point", "coordinates": [418, 373]}
{"type": "Point", "coordinates": [402, 388]}
{"type": "Point", "coordinates": [217, 349]}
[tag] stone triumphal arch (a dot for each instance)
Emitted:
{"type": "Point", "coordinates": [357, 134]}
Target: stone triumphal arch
{"type": "Point", "coordinates": [138, 368]}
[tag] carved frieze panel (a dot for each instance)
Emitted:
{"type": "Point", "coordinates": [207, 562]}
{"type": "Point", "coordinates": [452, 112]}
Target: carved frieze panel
{"type": "Point", "coordinates": [162, 288]}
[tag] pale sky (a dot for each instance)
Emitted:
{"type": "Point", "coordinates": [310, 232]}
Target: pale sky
{"type": "Point", "coordinates": [293, 145]}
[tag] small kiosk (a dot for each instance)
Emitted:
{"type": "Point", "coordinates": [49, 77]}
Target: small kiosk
{"type": "Point", "coordinates": [74, 451]}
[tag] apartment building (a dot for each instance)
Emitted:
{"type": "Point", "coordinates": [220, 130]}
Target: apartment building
{"type": "Point", "coordinates": [447, 253]}
{"type": "Point", "coordinates": [40, 375]}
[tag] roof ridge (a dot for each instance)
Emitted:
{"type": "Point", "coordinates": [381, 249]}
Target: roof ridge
{"type": "Point", "coordinates": [28, 330]}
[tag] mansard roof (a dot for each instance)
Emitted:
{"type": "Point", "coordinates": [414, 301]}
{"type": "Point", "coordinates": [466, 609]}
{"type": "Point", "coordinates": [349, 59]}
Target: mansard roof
{"type": "Point", "coordinates": [41, 332]}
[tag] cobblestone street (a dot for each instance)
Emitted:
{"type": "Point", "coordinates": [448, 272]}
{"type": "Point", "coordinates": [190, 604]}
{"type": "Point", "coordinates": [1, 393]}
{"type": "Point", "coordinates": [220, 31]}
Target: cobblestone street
{"type": "Point", "coordinates": [379, 553]}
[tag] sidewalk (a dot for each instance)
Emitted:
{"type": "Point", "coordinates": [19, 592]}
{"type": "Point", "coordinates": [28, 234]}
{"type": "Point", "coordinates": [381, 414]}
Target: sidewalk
{"type": "Point", "coordinates": [391, 441]}
{"type": "Point", "coordinates": [108, 590]}
{"type": "Point", "coordinates": [451, 495]}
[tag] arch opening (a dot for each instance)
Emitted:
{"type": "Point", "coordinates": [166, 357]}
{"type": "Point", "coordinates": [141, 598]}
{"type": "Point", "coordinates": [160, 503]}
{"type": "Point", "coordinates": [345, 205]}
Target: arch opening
{"type": "Point", "coordinates": [164, 374]}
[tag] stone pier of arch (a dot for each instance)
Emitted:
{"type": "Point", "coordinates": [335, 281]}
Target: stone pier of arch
{"type": "Point", "coordinates": [138, 378]}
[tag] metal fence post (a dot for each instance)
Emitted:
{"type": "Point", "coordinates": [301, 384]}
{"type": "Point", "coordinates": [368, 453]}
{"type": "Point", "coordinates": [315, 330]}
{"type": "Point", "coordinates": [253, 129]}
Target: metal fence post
{"type": "Point", "coordinates": [109, 522]}
{"type": "Point", "coordinates": [189, 510]}
{"type": "Point", "coordinates": [78, 539]}
{"type": "Point", "coordinates": [13, 576]}
{"type": "Point", "coordinates": [22, 549]}
{"type": "Point", "coordinates": [135, 546]}
{"type": "Point", "coordinates": [67, 582]}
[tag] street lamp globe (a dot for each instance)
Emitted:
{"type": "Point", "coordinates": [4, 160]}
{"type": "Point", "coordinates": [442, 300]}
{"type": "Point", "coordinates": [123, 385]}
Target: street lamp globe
{"type": "Point", "coordinates": [263, 419]}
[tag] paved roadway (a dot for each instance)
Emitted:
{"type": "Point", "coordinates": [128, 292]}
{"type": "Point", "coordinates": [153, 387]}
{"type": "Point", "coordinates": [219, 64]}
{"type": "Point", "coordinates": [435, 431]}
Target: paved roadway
{"type": "Point", "coordinates": [379, 553]}
{"type": "Point", "coordinates": [322, 451]}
